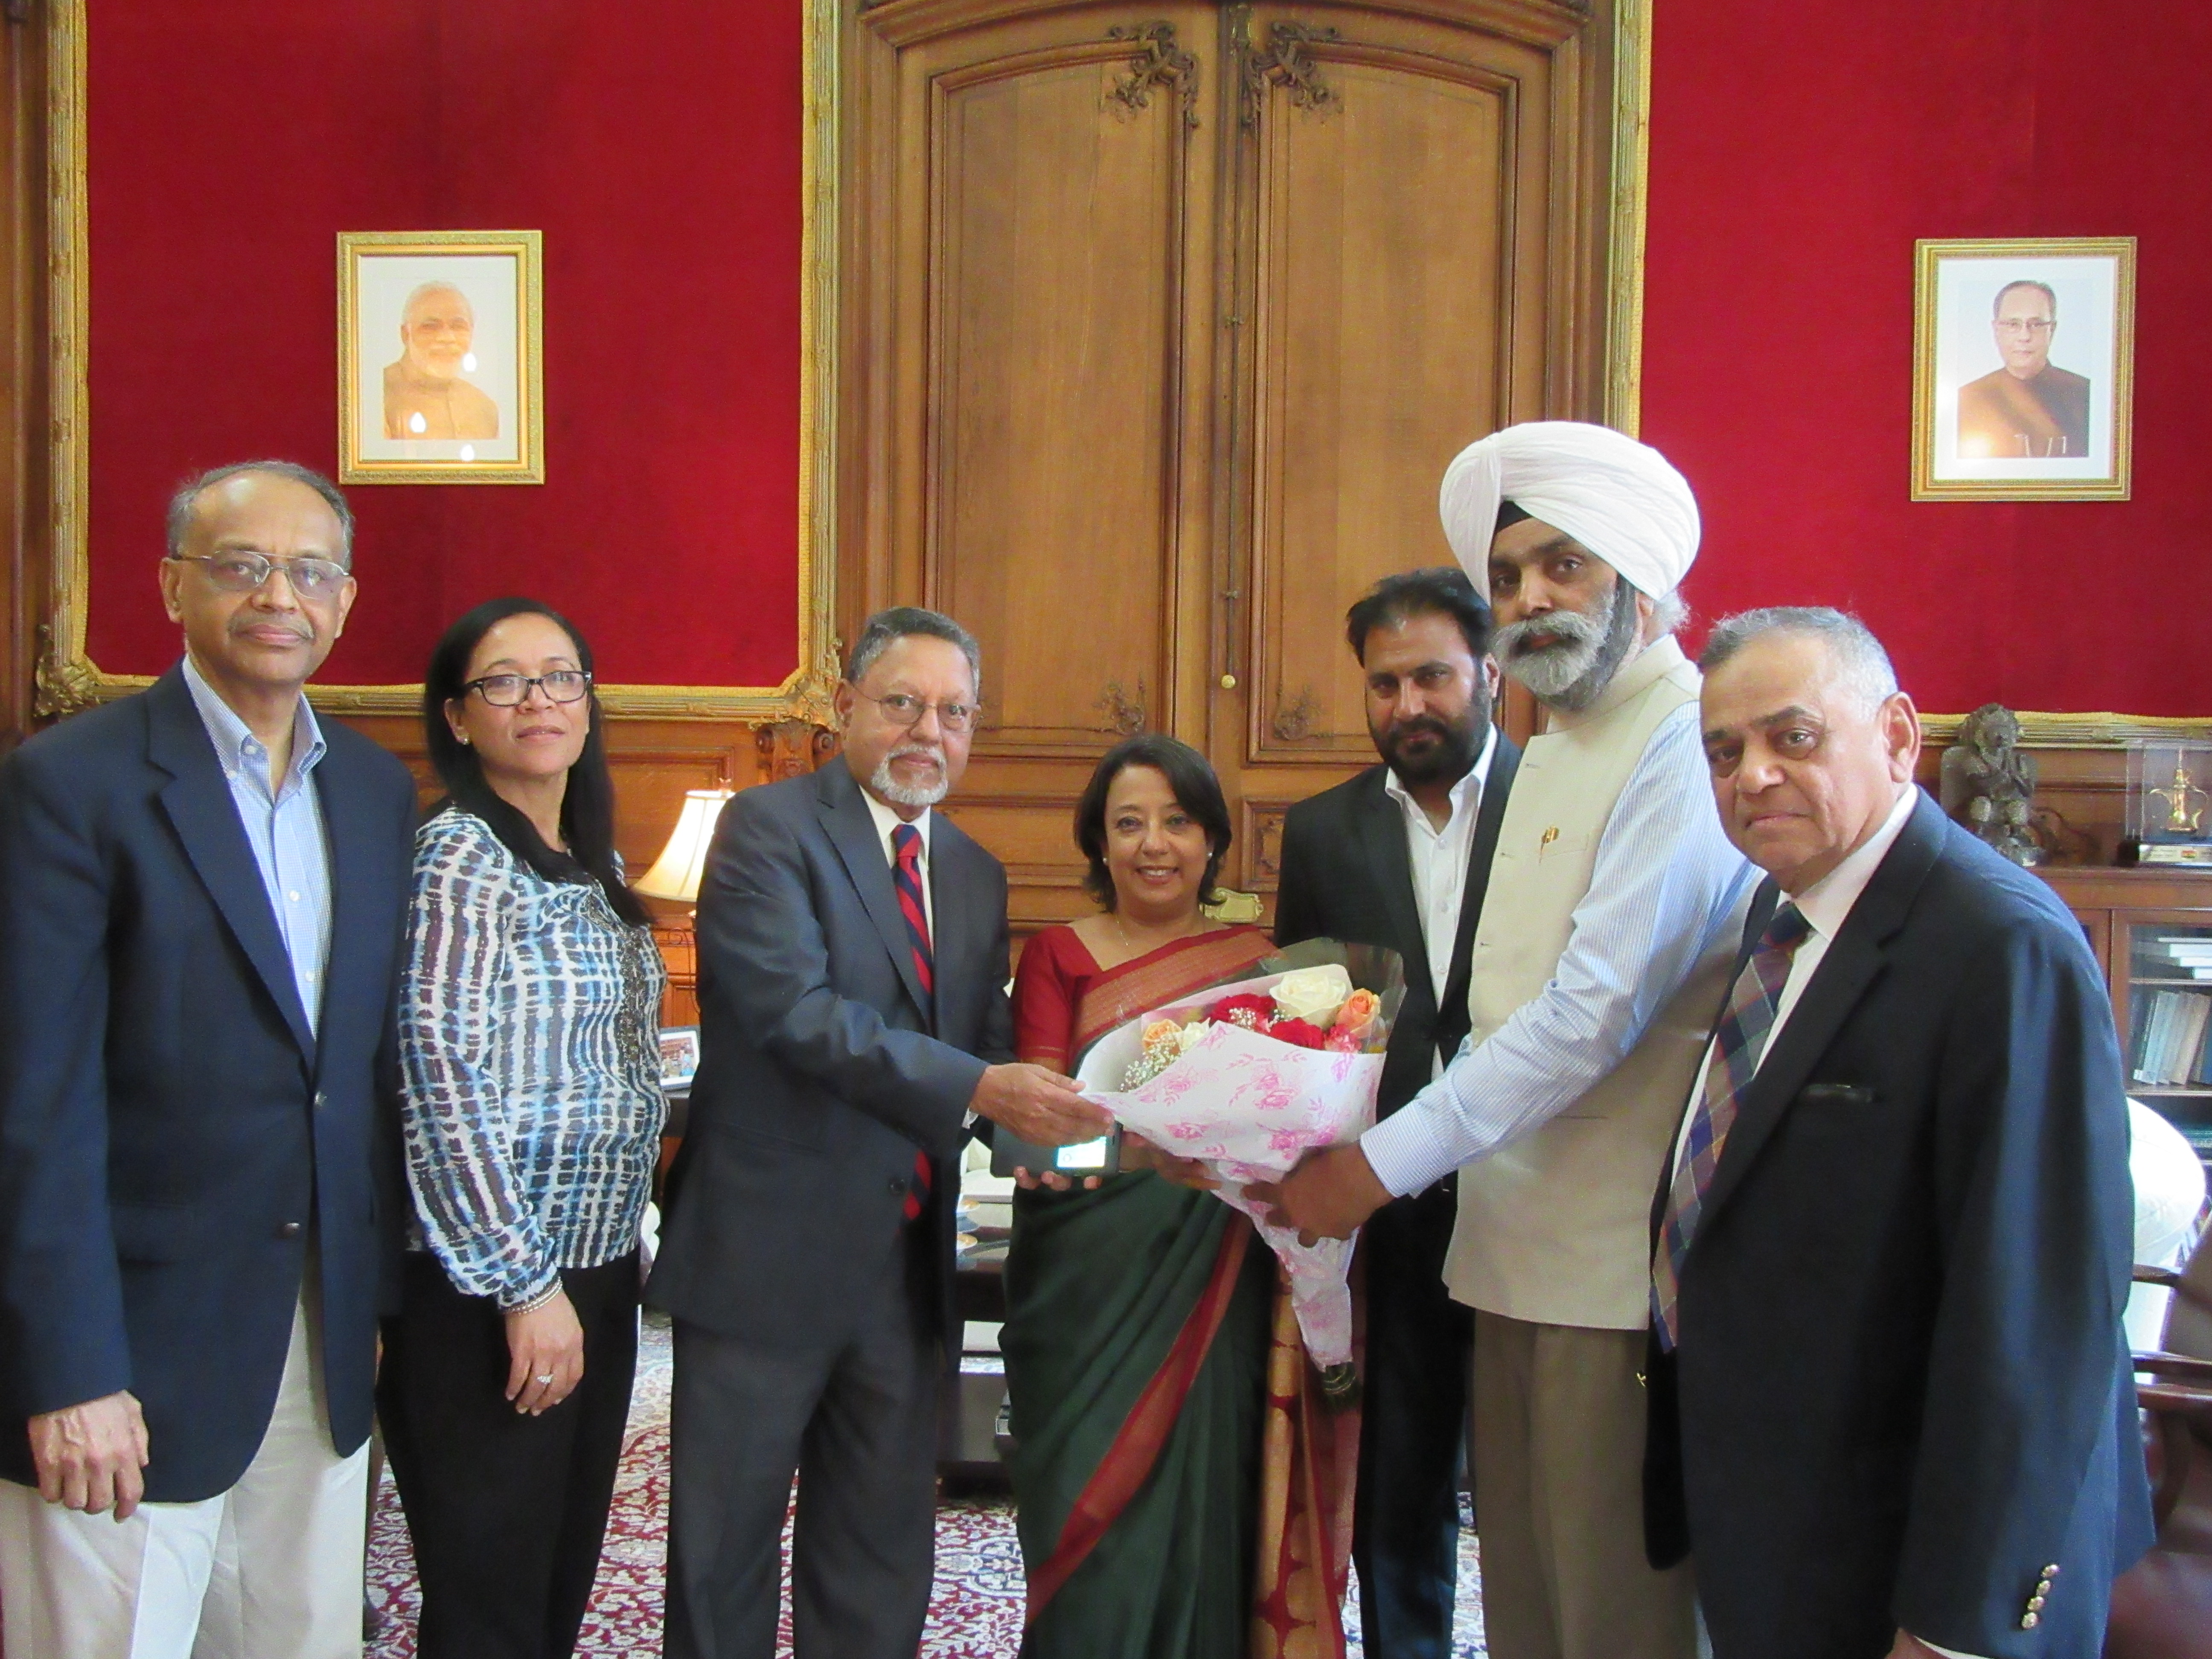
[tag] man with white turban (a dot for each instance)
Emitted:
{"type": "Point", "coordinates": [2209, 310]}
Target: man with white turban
{"type": "Point", "coordinates": [1603, 949]}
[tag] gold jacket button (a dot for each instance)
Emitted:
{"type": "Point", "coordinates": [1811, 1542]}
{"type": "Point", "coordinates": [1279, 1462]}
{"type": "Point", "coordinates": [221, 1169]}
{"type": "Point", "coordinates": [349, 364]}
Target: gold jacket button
{"type": "Point", "coordinates": [2035, 1604]}
{"type": "Point", "coordinates": [2028, 1621]}
{"type": "Point", "coordinates": [2052, 1571]}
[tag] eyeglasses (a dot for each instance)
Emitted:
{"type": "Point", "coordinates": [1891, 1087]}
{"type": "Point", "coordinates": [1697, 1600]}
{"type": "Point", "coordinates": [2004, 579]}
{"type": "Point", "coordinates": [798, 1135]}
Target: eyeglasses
{"type": "Point", "coordinates": [242, 573]}
{"type": "Point", "coordinates": [902, 710]}
{"type": "Point", "coordinates": [507, 690]}
{"type": "Point", "coordinates": [2025, 325]}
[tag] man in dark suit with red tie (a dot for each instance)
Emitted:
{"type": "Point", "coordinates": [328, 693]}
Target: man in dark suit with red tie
{"type": "Point", "coordinates": [853, 1024]}
{"type": "Point", "coordinates": [1890, 1405]}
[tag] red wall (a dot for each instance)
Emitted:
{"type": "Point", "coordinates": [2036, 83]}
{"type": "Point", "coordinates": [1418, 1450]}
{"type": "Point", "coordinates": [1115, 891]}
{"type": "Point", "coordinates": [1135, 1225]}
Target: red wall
{"type": "Point", "coordinates": [656, 146]}
{"type": "Point", "coordinates": [1797, 151]}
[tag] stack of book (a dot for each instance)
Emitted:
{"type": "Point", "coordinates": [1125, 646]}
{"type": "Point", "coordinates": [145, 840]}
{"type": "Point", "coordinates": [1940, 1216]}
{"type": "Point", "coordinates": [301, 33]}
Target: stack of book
{"type": "Point", "coordinates": [2172, 1037]}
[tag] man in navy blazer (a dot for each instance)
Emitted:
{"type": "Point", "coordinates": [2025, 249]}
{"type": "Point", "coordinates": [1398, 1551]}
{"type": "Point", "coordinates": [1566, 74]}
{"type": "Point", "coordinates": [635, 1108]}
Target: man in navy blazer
{"type": "Point", "coordinates": [1890, 1410]}
{"type": "Point", "coordinates": [203, 895]}
{"type": "Point", "coordinates": [1400, 857]}
{"type": "Point", "coordinates": [853, 1024]}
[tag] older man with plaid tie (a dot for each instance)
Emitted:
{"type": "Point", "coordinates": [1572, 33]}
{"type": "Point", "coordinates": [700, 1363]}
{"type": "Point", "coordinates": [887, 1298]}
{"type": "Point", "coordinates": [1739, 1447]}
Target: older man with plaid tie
{"type": "Point", "coordinates": [1890, 1411]}
{"type": "Point", "coordinates": [854, 1024]}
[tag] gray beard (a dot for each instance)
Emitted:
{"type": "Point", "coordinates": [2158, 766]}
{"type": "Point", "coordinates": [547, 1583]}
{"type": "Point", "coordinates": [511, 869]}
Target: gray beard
{"type": "Point", "coordinates": [1572, 674]}
{"type": "Point", "coordinates": [887, 788]}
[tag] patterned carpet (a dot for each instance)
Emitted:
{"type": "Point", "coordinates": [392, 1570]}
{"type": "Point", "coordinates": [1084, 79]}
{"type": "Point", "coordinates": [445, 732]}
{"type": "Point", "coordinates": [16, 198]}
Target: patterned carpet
{"type": "Point", "coordinates": [975, 1612]}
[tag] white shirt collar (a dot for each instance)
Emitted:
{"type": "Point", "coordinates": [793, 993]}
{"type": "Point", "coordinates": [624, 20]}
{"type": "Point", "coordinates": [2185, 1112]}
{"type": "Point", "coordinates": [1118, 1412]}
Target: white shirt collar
{"type": "Point", "coordinates": [1827, 903]}
{"type": "Point", "coordinates": [888, 820]}
{"type": "Point", "coordinates": [1469, 787]}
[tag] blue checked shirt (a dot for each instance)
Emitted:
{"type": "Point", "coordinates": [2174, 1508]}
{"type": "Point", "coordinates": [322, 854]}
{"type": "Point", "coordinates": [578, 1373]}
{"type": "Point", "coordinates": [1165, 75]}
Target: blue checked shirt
{"type": "Point", "coordinates": [284, 824]}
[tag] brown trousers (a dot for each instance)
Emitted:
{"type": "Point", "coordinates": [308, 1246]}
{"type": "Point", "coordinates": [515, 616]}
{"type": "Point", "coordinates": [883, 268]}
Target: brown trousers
{"type": "Point", "coordinates": [1559, 1470]}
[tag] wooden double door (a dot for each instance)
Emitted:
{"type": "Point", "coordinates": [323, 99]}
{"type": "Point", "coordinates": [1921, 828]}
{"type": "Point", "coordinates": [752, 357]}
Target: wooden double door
{"type": "Point", "coordinates": [1160, 325]}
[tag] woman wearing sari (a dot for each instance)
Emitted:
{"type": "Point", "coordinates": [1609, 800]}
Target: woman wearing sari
{"type": "Point", "coordinates": [1142, 1342]}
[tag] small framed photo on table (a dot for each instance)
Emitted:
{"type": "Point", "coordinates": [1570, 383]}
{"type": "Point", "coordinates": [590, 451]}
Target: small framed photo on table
{"type": "Point", "coordinates": [2023, 369]}
{"type": "Point", "coordinates": [440, 377]}
{"type": "Point", "coordinates": [679, 1055]}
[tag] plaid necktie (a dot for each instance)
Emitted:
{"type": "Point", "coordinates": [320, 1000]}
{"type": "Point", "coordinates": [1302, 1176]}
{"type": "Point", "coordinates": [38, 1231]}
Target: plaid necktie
{"type": "Point", "coordinates": [1738, 1044]}
{"type": "Point", "coordinates": [906, 876]}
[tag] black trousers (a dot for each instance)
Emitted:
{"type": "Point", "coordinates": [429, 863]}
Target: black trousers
{"type": "Point", "coordinates": [1405, 1527]}
{"type": "Point", "coordinates": [855, 1418]}
{"type": "Point", "coordinates": [507, 1512]}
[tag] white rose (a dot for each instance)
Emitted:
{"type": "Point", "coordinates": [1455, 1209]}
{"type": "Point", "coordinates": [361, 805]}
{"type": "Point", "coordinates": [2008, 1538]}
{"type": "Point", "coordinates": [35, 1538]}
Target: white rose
{"type": "Point", "coordinates": [1313, 994]}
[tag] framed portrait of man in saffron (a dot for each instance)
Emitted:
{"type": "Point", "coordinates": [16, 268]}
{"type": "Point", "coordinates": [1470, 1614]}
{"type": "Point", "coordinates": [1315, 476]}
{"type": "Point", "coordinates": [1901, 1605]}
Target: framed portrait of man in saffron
{"type": "Point", "coordinates": [2023, 371]}
{"type": "Point", "coordinates": [439, 376]}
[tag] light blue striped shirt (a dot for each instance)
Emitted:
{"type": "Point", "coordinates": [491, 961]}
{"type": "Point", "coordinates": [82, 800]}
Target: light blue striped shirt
{"type": "Point", "coordinates": [1665, 890]}
{"type": "Point", "coordinates": [284, 824]}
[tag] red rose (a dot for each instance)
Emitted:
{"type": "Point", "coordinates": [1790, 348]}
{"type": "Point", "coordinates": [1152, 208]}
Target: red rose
{"type": "Point", "coordinates": [1297, 1032]}
{"type": "Point", "coordinates": [1252, 1010]}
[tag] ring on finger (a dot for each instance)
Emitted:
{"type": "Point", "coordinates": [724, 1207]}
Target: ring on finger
{"type": "Point", "coordinates": [542, 1380]}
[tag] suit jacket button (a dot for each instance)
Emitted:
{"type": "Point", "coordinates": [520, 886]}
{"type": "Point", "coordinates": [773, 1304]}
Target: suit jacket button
{"type": "Point", "coordinates": [2035, 1604]}
{"type": "Point", "coordinates": [321, 1100]}
{"type": "Point", "coordinates": [2052, 1571]}
{"type": "Point", "coordinates": [898, 1186]}
{"type": "Point", "coordinates": [2028, 1621]}
{"type": "Point", "coordinates": [288, 1229]}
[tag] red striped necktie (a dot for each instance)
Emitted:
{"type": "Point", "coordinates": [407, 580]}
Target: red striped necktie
{"type": "Point", "coordinates": [906, 876]}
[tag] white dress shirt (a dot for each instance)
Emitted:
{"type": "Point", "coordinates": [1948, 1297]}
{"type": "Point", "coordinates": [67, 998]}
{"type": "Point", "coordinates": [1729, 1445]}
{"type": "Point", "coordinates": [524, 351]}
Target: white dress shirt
{"type": "Point", "coordinates": [888, 820]}
{"type": "Point", "coordinates": [1826, 905]}
{"type": "Point", "coordinates": [1665, 882]}
{"type": "Point", "coordinates": [1438, 857]}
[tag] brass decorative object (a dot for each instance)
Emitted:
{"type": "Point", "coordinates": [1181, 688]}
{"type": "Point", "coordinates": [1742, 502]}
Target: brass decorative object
{"type": "Point", "coordinates": [2169, 805]}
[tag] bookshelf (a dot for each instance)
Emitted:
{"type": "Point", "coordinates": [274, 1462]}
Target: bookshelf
{"type": "Point", "coordinates": [2152, 931]}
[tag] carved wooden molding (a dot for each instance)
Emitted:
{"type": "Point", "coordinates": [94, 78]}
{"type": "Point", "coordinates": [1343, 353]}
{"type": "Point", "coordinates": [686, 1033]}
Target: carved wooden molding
{"type": "Point", "coordinates": [791, 748]}
{"type": "Point", "coordinates": [1162, 64]}
{"type": "Point", "coordinates": [1286, 63]}
{"type": "Point", "coordinates": [1293, 723]}
{"type": "Point", "coordinates": [1123, 715]}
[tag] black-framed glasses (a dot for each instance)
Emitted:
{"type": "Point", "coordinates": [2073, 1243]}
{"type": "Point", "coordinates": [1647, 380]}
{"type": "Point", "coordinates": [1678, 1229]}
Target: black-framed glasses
{"type": "Point", "coordinates": [904, 710]}
{"type": "Point", "coordinates": [311, 578]}
{"type": "Point", "coordinates": [506, 691]}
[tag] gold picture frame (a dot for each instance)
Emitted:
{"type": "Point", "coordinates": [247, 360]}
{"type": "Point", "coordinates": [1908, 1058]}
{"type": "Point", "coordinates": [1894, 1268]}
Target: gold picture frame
{"type": "Point", "coordinates": [2023, 368]}
{"type": "Point", "coordinates": [67, 679]}
{"type": "Point", "coordinates": [441, 374]}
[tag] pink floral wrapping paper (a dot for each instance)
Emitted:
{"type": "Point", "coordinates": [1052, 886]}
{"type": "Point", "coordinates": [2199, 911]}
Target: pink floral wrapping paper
{"type": "Point", "coordinates": [1249, 1107]}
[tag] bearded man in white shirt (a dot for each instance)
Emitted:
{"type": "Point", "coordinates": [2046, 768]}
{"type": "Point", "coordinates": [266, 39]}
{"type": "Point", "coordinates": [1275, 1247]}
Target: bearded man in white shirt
{"type": "Point", "coordinates": [1892, 1410]}
{"type": "Point", "coordinates": [1602, 950]}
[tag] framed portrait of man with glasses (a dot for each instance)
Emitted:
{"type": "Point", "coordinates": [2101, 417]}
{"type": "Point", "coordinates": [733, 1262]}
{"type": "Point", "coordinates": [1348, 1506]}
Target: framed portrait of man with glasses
{"type": "Point", "coordinates": [2024, 354]}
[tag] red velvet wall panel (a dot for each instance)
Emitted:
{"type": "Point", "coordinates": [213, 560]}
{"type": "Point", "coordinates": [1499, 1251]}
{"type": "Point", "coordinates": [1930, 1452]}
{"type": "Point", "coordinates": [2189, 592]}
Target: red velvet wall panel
{"type": "Point", "coordinates": [1797, 152]}
{"type": "Point", "coordinates": [656, 146]}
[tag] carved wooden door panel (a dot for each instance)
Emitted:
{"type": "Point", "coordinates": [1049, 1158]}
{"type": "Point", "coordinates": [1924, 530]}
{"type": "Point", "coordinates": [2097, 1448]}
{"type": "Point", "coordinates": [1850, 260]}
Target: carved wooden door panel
{"type": "Point", "coordinates": [1161, 324]}
{"type": "Point", "coordinates": [1396, 236]}
{"type": "Point", "coordinates": [1044, 240]}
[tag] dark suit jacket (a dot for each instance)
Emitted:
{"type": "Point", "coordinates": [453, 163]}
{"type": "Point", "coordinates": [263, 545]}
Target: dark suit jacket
{"type": "Point", "coordinates": [821, 1069]}
{"type": "Point", "coordinates": [171, 1127]}
{"type": "Point", "coordinates": [1902, 1392]}
{"type": "Point", "coordinates": [1345, 875]}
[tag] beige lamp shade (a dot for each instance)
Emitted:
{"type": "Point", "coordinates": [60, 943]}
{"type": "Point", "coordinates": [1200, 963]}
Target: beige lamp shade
{"type": "Point", "coordinates": [675, 874]}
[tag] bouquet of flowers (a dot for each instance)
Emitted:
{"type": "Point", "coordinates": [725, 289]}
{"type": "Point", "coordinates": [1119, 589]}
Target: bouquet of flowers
{"type": "Point", "coordinates": [1246, 1078]}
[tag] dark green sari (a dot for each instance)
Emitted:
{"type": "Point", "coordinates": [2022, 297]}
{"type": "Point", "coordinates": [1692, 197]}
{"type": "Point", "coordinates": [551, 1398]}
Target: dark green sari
{"type": "Point", "coordinates": [1136, 1346]}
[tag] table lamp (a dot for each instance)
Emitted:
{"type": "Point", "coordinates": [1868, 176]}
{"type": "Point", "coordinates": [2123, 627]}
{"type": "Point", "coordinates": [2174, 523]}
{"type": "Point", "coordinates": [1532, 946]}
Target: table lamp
{"type": "Point", "coordinates": [675, 874]}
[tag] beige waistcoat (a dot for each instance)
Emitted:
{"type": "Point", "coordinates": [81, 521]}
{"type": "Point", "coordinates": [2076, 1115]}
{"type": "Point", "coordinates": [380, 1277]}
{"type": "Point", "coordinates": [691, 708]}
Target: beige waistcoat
{"type": "Point", "coordinates": [1554, 1228]}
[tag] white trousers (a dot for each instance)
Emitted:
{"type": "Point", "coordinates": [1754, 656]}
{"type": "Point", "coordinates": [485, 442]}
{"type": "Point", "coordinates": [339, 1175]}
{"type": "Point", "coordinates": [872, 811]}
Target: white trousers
{"type": "Point", "coordinates": [269, 1569]}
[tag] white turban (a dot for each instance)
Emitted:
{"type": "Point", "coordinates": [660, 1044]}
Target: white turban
{"type": "Point", "coordinates": [1622, 500]}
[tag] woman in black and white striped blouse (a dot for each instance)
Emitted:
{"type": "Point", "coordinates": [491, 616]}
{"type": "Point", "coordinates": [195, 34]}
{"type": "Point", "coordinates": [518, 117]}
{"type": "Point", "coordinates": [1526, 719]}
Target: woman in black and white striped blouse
{"type": "Point", "coordinates": [529, 1027]}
